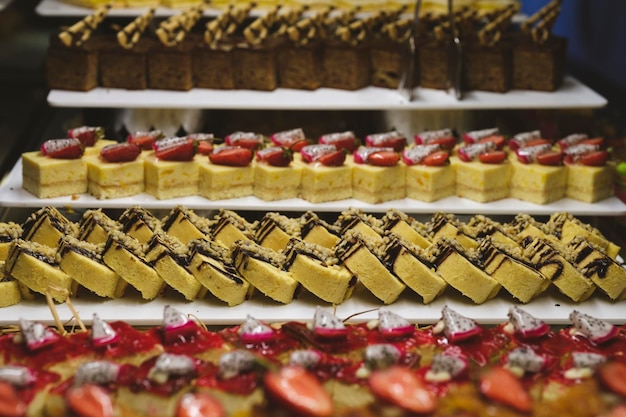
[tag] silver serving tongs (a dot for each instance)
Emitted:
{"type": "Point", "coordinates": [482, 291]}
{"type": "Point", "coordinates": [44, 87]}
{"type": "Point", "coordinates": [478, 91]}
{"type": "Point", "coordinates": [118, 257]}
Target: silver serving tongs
{"type": "Point", "coordinates": [455, 57]}
{"type": "Point", "coordinates": [406, 85]}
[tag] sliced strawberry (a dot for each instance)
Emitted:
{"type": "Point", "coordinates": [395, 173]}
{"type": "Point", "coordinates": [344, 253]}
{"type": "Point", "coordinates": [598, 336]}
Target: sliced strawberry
{"type": "Point", "coordinates": [384, 158]}
{"type": "Point", "coordinates": [62, 148]}
{"type": "Point", "coordinates": [275, 156]}
{"type": "Point", "coordinates": [199, 405]}
{"type": "Point", "coordinates": [392, 139]}
{"type": "Point", "coordinates": [492, 157]}
{"type": "Point", "coordinates": [231, 156]}
{"type": "Point", "coordinates": [145, 140]}
{"type": "Point", "coordinates": [595, 159]}
{"type": "Point", "coordinates": [300, 391]}
{"type": "Point", "coordinates": [120, 152]}
{"type": "Point", "coordinates": [333, 159]}
{"type": "Point", "coordinates": [438, 158]}
{"type": "Point", "coordinates": [204, 147]}
{"type": "Point", "coordinates": [469, 152]}
{"type": "Point", "coordinates": [613, 376]}
{"type": "Point", "coordinates": [401, 387]}
{"type": "Point", "coordinates": [498, 140]}
{"type": "Point", "coordinates": [289, 139]}
{"type": "Point", "coordinates": [247, 140]}
{"type": "Point", "coordinates": [446, 143]}
{"type": "Point", "coordinates": [175, 149]}
{"type": "Point", "coordinates": [10, 403]}
{"type": "Point", "coordinates": [90, 401]}
{"type": "Point", "coordinates": [342, 140]}
{"type": "Point", "coordinates": [536, 142]}
{"type": "Point", "coordinates": [298, 145]}
{"type": "Point", "coordinates": [599, 142]}
{"type": "Point", "coordinates": [550, 158]}
{"type": "Point", "coordinates": [88, 135]}
{"type": "Point", "coordinates": [499, 384]}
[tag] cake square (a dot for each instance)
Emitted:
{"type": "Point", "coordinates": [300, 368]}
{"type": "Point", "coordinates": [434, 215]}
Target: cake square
{"type": "Point", "coordinates": [124, 68]}
{"type": "Point", "coordinates": [539, 184]}
{"type": "Point", "coordinates": [325, 183]}
{"type": "Point", "coordinates": [221, 182]}
{"type": "Point", "coordinates": [539, 66]}
{"type": "Point", "coordinates": [430, 183]}
{"type": "Point", "coordinates": [344, 66]}
{"type": "Point", "coordinates": [72, 67]}
{"type": "Point", "coordinates": [114, 179]}
{"type": "Point", "coordinates": [589, 183]}
{"type": "Point", "coordinates": [273, 183]}
{"type": "Point", "coordinates": [169, 67]}
{"type": "Point", "coordinates": [47, 177]}
{"type": "Point", "coordinates": [482, 182]}
{"type": "Point", "coordinates": [256, 67]}
{"type": "Point", "coordinates": [388, 62]}
{"type": "Point", "coordinates": [300, 67]}
{"type": "Point", "coordinates": [377, 184]}
{"type": "Point", "coordinates": [213, 67]}
{"type": "Point", "coordinates": [170, 179]}
{"type": "Point", "coordinates": [487, 68]}
{"type": "Point", "coordinates": [433, 65]}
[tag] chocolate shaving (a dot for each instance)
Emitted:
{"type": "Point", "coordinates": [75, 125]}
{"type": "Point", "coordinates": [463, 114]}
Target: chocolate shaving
{"type": "Point", "coordinates": [226, 23]}
{"type": "Point", "coordinates": [81, 31]}
{"type": "Point", "coordinates": [130, 34]}
{"type": "Point", "coordinates": [491, 33]}
{"type": "Point", "coordinates": [173, 30]}
{"type": "Point", "coordinates": [539, 25]}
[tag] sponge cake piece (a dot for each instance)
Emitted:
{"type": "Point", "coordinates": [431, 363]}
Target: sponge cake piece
{"type": "Point", "coordinates": [444, 225]}
{"type": "Point", "coordinates": [275, 230]}
{"type": "Point", "coordinates": [186, 225]}
{"type": "Point", "coordinates": [567, 227]}
{"type": "Point", "coordinates": [139, 223]}
{"type": "Point", "coordinates": [95, 226]}
{"type": "Point", "coordinates": [10, 293]}
{"type": "Point", "coordinates": [229, 227]}
{"type": "Point", "coordinates": [9, 231]}
{"type": "Point", "coordinates": [46, 226]}
{"type": "Point", "coordinates": [406, 227]}
{"type": "Point", "coordinates": [316, 230]}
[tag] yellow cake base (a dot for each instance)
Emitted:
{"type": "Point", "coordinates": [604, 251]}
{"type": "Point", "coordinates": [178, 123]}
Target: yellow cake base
{"type": "Point", "coordinates": [48, 177]}
{"type": "Point", "coordinates": [482, 182]}
{"type": "Point", "coordinates": [170, 179]}
{"type": "Point", "coordinates": [114, 179]}
{"type": "Point", "coordinates": [538, 184]}
{"type": "Point", "coordinates": [426, 183]}
{"type": "Point", "coordinates": [277, 183]}
{"type": "Point", "coordinates": [221, 182]}
{"type": "Point", "coordinates": [589, 184]}
{"type": "Point", "coordinates": [374, 184]}
{"type": "Point", "coordinates": [322, 183]}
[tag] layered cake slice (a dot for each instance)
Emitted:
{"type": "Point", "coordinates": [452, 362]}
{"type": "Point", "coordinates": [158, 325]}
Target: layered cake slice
{"type": "Point", "coordinates": [462, 271]}
{"type": "Point", "coordinates": [9, 231]}
{"type": "Point", "coordinates": [319, 271]}
{"type": "Point", "coordinates": [507, 265]}
{"type": "Point", "coordinates": [595, 265]}
{"type": "Point", "coordinates": [406, 227]}
{"type": "Point", "coordinates": [212, 265]}
{"type": "Point", "coordinates": [589, 177]}
{"type": "Point", "coordinates": [567, 227]}
{"type": "Point", "coordinates": [229, 227]}
{"type": "Point", "coordinates": [275, 230]}
{"type": "Point", "coordinates": [171, 260]}
{"type": "Point", "coordinates": [265, 270]}
{"type": "Point", "coordinates": [46, 226]}
{"type": "Point", "coordinates": [560, 271]}
{"type": "Point", "coordinates": [524, 225]}
{"type": "Point", "coordinates": [83, 262]}
{"type": "Point", "coordinates": [480, 227]}
{"type": "Point", "coordinates": [318, 231]}
{"type": "Point", "coordinates": [410, 263]}
{"type": "Point", "coordinates": [276, 176]}
{"type": "Point", "coordinates": [228, 172]}
{"type": "Point", "coordinates": [126, 256]}
{"type": "Point", "coordinates": [34, 265]}
{"type": "Point", "coordinates": [363, 256]}
{"type": "Point", "coordinates": [95, 226]}
{"type": "Point", "coordinates": [118, 171]}
{"type": "Point", "coordinates": [186, 225]}
{"type": "Point", "coordinates": [10, 292]}
{"type": "Point", "coordinates": [443, 225]}
{"type": "Point", "coordinates": [57, 169]}
{"type": "Point", "coordinates": [139, 223]}
{"type": "Point", "coordinates": [429, 174]}
{"type": "Point", "coordinates": [378, 175]}
{"type": "Point", "coordinates": [325, 174]}
{"type": "Point", "coordinates": [356, 219]}
{"type": "Point", "coordinates": [172, 169]}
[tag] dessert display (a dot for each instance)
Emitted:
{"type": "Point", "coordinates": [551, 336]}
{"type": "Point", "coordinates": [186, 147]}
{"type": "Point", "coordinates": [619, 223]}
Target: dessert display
{"type": "Point", "coordinates": [323, 367]}
{"type": "Point", "coordinates": [378, 175]}
{"type": "Point", "coordinates": [281, 255]}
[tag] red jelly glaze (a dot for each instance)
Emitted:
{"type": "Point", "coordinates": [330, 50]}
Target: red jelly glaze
{"type": "Point", "coordinates": [279, 343]}
{"type": "Point", "coordinates": [242, 384]}
{"type": "Point", "coordinates": [192, 342]}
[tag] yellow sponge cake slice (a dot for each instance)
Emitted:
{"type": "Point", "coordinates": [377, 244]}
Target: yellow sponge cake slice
{"type": "Point", "coordinates": [319, 271]}
{"type": "Point", "coordinates": [406, 227]}
{"type": "Point", "coordinates": [212, 265]}
{"type": "Point", "coordinates": [34, 265]}
{"type": "Point", "coordinates": [363, 256]}
{"type": "Point", "coordinates": [83, 262]}
{"type": "Point", "coordinates": [10, 293]}
{"type": "Point", "coordinates": [139, 223]}
{"type": "Point", "coordinates": [567, 227]}
{"type": "Point", "coordinates": [356, 219]}
{"type": "Point", "coordinates": [264, 269]}
{"type": "Point", "coordinates": [444, 225]}
{"type": "Point", "coordinates": [229, 227]}
{"type": "Point", "coordinates": [186, 225]}
{"type": "Point", "coordinates": [9, 231]}
{"type": "Point", "coordinates": [318, 231]}
{"type": "Point", "coordinates": [95, 226]}
{"type": "Point", "coordinates": [275, 230]}
{"type": "Point", "coordinates": [46, 226]}
{"type": "Point", "coordinates": [126, 256]}
{"type": "Point", "coordinates": [480, 227]}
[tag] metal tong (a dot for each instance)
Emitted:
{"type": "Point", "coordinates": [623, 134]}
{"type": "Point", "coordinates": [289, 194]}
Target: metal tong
{"type": "Point", "coordinates": [455, 57]}
{"type": "Point", "coordinates": [406, 86]}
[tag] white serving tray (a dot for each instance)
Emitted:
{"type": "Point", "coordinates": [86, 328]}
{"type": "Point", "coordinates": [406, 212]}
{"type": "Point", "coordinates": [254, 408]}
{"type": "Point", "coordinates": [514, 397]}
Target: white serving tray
{"type": "Point", "coordinates": [573, 94]}
{"type": "Point", "coordinates": [551, 306]}
{"type": "Point", "coordinates": [13, 195]}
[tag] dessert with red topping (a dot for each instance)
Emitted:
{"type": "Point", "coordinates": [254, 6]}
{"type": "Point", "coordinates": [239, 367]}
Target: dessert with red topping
{"type": "Point", "coordinates": [227, 172]}
{"type": "Point", "coordinates": [118, 171]}
{"type": "Point", "coordinates": [325, 175]}
{"type": "Point", "coordinates": [429, 174]}
{"type": "Point", "coordinates": [276, 176]}
{"type": "Point", "coordinates": [378, 175]}
{"type": "Point", "coordinates": [589, 177]}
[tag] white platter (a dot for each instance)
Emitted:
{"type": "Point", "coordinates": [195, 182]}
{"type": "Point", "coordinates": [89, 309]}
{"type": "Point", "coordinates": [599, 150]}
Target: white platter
{"type": "Point", "coordinates": [573, 94]}
{"type": "Point", "coordinates": [551, 306]}
{"type": "Point", "coordinates": [13, 195]}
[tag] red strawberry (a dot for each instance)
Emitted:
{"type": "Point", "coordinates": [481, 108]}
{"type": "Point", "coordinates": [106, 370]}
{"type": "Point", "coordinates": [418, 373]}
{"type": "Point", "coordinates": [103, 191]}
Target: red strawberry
{"type": "Point", "coordinates": [333, 159]}
{"type": "Point", "coordinates": [199, 405]}
{"type": "Point", "coordinates": [120, 152]}
{"type": "Point", "coordinates": [87, 135]}
{"type": "Point", "coordinates": [384, 158]}
{"type": "Point", "coordinates": [500, 385]}
{"type": "Point", "coordinates": [300, 391]}
{"type": "Point", "coordinates": [174, 149]}
{"type": "Point", "coordinates": [62, 148]}
{"type": "Point", "coordinates": [275, 156]}
{"type": "Point", "coordinates": [10, 403]}
{"type": "Point", "coordinates": [446, 143]}
{"type": "Point", "coordinates": [497, 140]}
{"type": "Point", "coordinates": [401, 386]}
{"type": "Point", "coordinates": [594, 141]}
{"type": "Point", "coordinates": [492, 157]}
{"type": "Point", "coordinates": [613, 376]}
{"type": "Point", "coordinates": [595, 159]}
{"type": "Point", "coordinates": [438, 158]}
{"type": "Point", "coordinates": [550, 158]}
{"type": "Point", "coordinates": [247, 140]}
{"type": "Point", "coordinates": [231, 156]}
{"type": "Point", "coordinates": [342, 140]}
{"type": "Point", "coordinates": [145, 140]}
{"type": "Point", "coordinates": [536, 142]}
{"type": "Point", "coordinates": [392, 139]}
{"type": "Point", "coordinates": [294, 139]}
{"type": "Point", "coordinates": [90, 401]}
{"type": "Point", "coordinates": [204, 147]}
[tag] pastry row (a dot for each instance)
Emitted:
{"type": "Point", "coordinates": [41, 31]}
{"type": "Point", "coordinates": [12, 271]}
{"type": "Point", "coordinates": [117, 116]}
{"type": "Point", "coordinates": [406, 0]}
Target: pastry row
{"type": "Point", "coordinates": [279, 256]}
